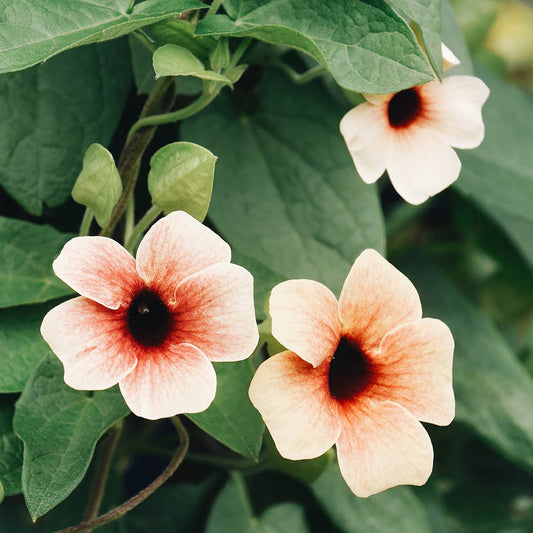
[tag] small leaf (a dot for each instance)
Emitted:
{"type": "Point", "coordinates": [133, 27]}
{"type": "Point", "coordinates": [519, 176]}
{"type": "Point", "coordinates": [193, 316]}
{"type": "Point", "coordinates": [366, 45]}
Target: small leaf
{"type": "Point", "coordinates": [172, 60]}
{"type": "Point", "coordinates": [181, 177]}
{"type": "Point", "coordinates": [10, 451]}
{"type": "Point", "coordinates": [26, 254]}
{"type": "Point", "coordinates": [98, 186]}
{"type": "Point", "coordinates": [60, 427]}
{"type": "Point", "coordinates": [231, 418]}
{"type": "Point", "coordinates": [395, 510]}
{"type": "Point", "coordinates": [219, 57]}
{"type": "Point", "coordinates": [22, 346]}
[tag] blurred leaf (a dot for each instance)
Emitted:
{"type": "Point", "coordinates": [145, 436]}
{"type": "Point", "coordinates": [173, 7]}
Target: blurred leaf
{"type": "Point", "coordinates": [60, 428]}
{"type": "Point", "coordinates": [341, 35]}
{"type": "Point", "coordinates": [50, 114]}
{"type": "Point", "coordinates": [494, 392]}
{"type": "Point", "coordinates": [306, 470]}
{"type": "Point", "coordinates": [21, 345]}
{"type": "Point", "coordinates": [231, 513]}
{"type": "Point", "coordinates": [35, 31]}
{"type": "Point", "coordinates": [395, 510]}
{"type": "Point", "coordinates": [26, 254]}
{"type": "Point", "coordinates": [10, 451]}
{"type": "Point", "coordinates": [172, 60]}
{"type": "Point", "coordinates": [499, 174]}
{"type": "Point", "coordinates": [98, 186]}
{"type": "Point", "coordinates": [181, 177]}
{"type": "Point", "coordinates": [231, 418]}
{"type": "Point", "coordinates": [287, 195]}
{"type": "Point", "coordinates": [426, 16]}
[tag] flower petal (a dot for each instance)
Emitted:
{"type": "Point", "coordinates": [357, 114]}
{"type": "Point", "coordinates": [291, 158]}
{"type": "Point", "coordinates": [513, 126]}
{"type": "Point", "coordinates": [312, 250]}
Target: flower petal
{"type": "Point", "coordinates": [98, 268]}
{"type": "Point", "coordinates": [215, 312]}
{"type": "Point", "coordinates": [382, 445]}
{"type": "Point", "coordinates": [449, 59]}
{"type": "Point", "coordinates": [91, 342]}
{"type": "Point", "coordinates": [453, 109]}
{"type": "Point", "coordinates": [176, 247]}
{"type": "Point", "coordinates": [420, 165]}
{"type": "Point", "coordinates": [414, 369]}
{"type": "Point", "coordinates": [305, 319]}
{"type": "Point", "coordinates": [367, 134]}
{"type": "Point", "coordinates": [293, 399]}
{"type": "Point", "coordinates": [376, 297]}
{"type": "Point", "coordinates": [169, 381]}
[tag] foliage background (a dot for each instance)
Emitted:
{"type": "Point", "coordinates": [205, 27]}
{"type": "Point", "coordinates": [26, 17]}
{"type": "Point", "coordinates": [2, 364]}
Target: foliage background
{"type": "Point", "coordinates": [287, 198]}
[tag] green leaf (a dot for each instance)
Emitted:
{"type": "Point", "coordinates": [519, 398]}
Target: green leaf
{"type": "Point", "coordinates": [306, 470]}
{"type": "Point", "coordinates": [284, 518]}
{"type": "Point", "coordinates": [287, 195]}
{"type": "Point", "coordinates": [10, 451]}
{"type": "Point", "coordinates": [425, 15]}
{"type": "Point", "coordinates": [181, 177]}
{"type": "Point", "coordinates": [98, 186]}
{"type": "Point", "coordinates": [60, 427]}
{"type": "Point", "coordinates": [173, 60]}
{"type": "Point", "coordinates": [22, 346]}
{"type": "Point", "coordinates": [50, 115]}
{"type": "Point", "coordinates": [26, 254]}
{"type": "Point", "coordinates": [141, 63]}
{"type": "Point", "coordinates": [397, 509]}
{"type": "Point", "coordinates": [231, 418]}
{"type": "Point", "coordinates": [453, 38]}
{"type": "Point", "coordinates": [499, 174]}
{"type": "Point", "coordinates": [365, 45]}
{"type": "Point", "coordinates": [494, 392]}
{"type": "Point", "coordinates": [35, 31]}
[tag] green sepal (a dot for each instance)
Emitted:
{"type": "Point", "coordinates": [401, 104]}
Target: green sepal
{"type": "Point", "coordinates": [98, 186]}
{"type": "Point", "coordinates": [219, 57]}
{"type": "Point", "coordinates": [181, 178]}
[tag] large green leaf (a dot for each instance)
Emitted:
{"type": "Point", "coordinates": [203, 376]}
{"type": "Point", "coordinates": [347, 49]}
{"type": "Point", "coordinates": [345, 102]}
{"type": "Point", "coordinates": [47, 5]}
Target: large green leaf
{"type": "Point", "coordinates": [26, 254]}
{"type": "Point", "coordinates": [499, 174]}
{"type": "Point", "coordinates": [286, 192]}
{"type": "Point", "coordinates": [494, 392]}
{"type": "Point", "coordinates": [60, 427]}
{"type": "Point", "coordinates": [10, 451]}
{"type": "Point", "coordinates": [397, 510]}
{"type": "Point", "coordinates": [32, 32]}
{"type": "Point", "coordinates": [21, 345]}
{"type": "Point", "coordinates": [425, 14]}
{"type": "Point", "coordinates": [231, 418]}
{"type": "Point", "coordinates": [365, 45]}
{"type": "Point", "coordinates": [50, 114]}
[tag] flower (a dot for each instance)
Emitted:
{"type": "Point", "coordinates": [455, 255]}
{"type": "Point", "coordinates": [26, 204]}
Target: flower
{"type": "Point", "coordinates": [411, 133]}
{"type": "Point", "coordinates": [360, 373]}
{"type": "Point", "coordinates": [153, 325]}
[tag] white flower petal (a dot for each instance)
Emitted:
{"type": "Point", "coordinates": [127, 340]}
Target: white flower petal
{"type": "Point", "coordinates": [449, 59]}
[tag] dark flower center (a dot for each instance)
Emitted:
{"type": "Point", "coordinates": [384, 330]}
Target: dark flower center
{"type": "Point", "coordinates": [404, 107]}
{"type": "Point", "coordinates": [349, 371]}
{"type": "Point", "coordinates": [149, 319]}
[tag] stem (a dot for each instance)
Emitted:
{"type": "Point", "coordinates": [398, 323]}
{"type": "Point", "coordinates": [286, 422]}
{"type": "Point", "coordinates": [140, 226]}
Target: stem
{"type": "Point", "coordinates": [305, 77]}
{"type": "Point", "coordinates": [130, 159]}
{"type": "Point", "coordinates": [236, 57]}
{"type": "Point", "coordinates": [213, 8]}
{"type": "Point", "coordinates": [130, 504]}
{"type": "Point", "coordinates": [164, 118]}
{"type": "Point", "coordinates": [143, 38]}
{"type": "Point", "coordinates": [129, 221]}
{"type": "Point", "coordinates": [86, 222]}
{"type": "Point", "coordinates": [102, 472]}
{"type": "Point", "coordinates": [142, 226]}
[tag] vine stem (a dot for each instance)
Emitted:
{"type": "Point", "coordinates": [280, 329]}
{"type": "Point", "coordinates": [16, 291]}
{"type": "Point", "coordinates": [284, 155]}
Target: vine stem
{"type": "Point", "coordinates": [102, 472]}
{"type": "Point", "coordinates": [142, 226]}
{"type": "Point", "coordinates": [213, 8]}
{"type": "Point", "coordinates": [130, 504]}
{"type": "Point", "coordinates": [86, 222]}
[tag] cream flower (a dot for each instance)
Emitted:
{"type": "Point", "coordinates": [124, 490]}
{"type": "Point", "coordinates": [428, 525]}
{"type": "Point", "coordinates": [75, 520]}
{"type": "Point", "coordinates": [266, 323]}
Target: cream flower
{"type": "Point", "coordinates": [411, 133]}
{"type": "Point", "coordinates": [360, 373]}
{"type": "Point", "coordinates": [154, 324]}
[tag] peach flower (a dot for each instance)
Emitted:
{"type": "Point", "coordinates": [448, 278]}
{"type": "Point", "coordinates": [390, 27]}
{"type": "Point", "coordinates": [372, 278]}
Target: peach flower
{"type": "Point", "coordinates": [411, 133]}
{"type": "Point", "coordinates": [153, 325]}
{"type": "Point", "coordinates": [360, 373]}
